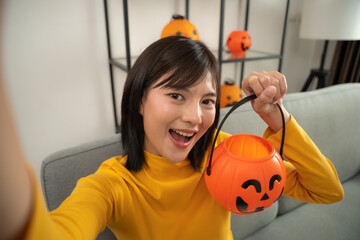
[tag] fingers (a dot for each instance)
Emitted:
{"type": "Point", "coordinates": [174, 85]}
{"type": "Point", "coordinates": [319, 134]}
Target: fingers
{"type": "Point", "coordinates": [270, 88]}
{"type": "Point", "coordinates": [253, 85]}
{"type": "Point", "coordinates": [281, 80]}
{"type": "Point", "coordinates": [256, 83]}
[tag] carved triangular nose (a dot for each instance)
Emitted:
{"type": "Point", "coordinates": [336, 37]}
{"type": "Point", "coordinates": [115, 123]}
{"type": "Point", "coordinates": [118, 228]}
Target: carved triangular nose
{"type": "Point", "coordinates": [265, 197]}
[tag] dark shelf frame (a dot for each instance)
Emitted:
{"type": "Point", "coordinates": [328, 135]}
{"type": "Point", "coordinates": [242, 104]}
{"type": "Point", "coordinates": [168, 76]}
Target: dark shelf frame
{"type": "Point", "coordinates": [243, 60]}
{"type": "Point", "coordinates": [125, 62]}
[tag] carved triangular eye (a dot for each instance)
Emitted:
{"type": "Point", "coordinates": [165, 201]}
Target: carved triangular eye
{"type": "Point", "coordinates": [254, 183]}
{"type": "Point", "coordinates": [272, 181]}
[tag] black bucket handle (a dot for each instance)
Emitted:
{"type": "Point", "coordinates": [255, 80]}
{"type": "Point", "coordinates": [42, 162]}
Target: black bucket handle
{"type": "Point", "coordinates": [233, 108]}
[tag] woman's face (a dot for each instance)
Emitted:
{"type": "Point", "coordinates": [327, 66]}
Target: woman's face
{"type": "Point", "coordinates": [175, 119]}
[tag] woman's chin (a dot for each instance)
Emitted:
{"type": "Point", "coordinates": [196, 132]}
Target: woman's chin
{"type": "Point", "coordinates": [179, 157]}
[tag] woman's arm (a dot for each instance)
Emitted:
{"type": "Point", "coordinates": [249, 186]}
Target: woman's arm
{"type": "Point", "coordinates": [15, 186]}
{"type": "Point", "coordinates": [23, 214]}
{"type": "Point", "coordinates": [310, 176]}
{"type": "Point", "coordinates": [22, 208]}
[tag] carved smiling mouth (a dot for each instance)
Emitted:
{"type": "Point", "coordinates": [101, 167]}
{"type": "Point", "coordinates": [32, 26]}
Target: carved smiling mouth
{"type": "Point", "coordinates": [181, 136]}
{"type": "Point", "coordinates": [243, 47]}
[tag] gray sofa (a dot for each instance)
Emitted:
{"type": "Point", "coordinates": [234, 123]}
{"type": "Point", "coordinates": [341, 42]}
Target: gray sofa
{"type": "Point", "coordinates": [330, 116]}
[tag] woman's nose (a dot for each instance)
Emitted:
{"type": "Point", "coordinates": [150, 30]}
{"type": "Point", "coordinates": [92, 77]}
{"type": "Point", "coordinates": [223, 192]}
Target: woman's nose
{"type": "Point", "coordinates": [192, 113]}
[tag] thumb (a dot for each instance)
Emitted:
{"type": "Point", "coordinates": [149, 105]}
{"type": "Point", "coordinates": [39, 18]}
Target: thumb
{"type": "Point", "coordinates": [270, 93]}
{"type": "Point", "coordinates": [263, 103]}
{"type": "Point", "coordinates": [267, 96]}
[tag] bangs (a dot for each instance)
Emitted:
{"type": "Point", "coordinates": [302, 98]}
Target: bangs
{"type": "Point", "coordinates": [181, 79]}
{"type": "Point", "coordinates": [186, 65]}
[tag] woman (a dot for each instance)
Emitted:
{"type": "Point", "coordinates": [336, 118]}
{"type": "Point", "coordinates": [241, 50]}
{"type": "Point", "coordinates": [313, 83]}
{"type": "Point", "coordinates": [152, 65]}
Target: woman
{"type": "Point", "coordinates": [156, 190]}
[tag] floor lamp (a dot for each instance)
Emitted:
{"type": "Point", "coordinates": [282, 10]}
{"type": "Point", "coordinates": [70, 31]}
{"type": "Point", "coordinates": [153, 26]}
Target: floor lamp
{"type": "Point", "coordinates": [328, 20]}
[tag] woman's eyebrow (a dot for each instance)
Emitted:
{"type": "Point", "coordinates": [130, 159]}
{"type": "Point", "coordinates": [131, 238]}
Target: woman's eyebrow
{"type": "Point", "coordinates": [210, 94]}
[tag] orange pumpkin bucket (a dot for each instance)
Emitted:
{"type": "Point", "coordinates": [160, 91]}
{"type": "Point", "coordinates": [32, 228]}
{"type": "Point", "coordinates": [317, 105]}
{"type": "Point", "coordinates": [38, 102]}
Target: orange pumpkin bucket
{"type": "Point", "coordinates": [245, 173]}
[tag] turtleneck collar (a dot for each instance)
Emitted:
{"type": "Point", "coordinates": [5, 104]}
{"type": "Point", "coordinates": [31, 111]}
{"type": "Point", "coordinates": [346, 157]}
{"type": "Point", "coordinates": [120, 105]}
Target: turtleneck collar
{"type": "Point", "coordinates": [161, 167]}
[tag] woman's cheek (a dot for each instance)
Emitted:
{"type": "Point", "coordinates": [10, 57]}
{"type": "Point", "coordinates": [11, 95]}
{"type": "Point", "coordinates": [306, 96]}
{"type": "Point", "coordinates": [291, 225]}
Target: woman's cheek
{"type": "Point", "coordinates": [209, 118]}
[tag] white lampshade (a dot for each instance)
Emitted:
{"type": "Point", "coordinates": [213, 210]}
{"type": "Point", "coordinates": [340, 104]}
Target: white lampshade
{"type": "Point", "coordinates": [330, 19]}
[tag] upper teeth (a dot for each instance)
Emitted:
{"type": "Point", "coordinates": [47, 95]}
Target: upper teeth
{"type": "Point", "coordinates": [184, 134]}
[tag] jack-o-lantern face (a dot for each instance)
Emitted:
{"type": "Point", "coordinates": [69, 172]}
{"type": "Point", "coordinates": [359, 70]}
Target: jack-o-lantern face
{"type": "Point", "coordinates": [180, 26]}
{"type": "Point", "coordinates": [247, 174]}
{"type": "Point", "coordinates": [262, 195]}
{"type": "Point", "coordinates": [229, 94]}
{"type": "Point", "coordinates": [238, 42]}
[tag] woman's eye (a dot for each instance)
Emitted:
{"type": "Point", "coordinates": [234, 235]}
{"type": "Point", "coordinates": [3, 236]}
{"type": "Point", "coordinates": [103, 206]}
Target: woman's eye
{"type": "Point", "coordinates": [208, 102]}
{"type": "Point", "coordinates": [175, 96]}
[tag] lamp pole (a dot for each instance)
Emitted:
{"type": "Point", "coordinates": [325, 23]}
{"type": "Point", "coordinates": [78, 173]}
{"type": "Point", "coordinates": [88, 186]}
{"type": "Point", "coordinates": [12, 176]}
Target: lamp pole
{"type": "Point", "coordinates": [321, 74]}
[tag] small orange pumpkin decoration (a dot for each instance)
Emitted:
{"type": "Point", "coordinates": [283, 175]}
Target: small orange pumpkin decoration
{"type": "Point", "coordinates": [247, 174]}
{"type": "Point", "coordinates": [180, 26]}
{"type": "Point", "coordinates": [238, 42]}
{"type": "Point", "coordinates": [229, 94]}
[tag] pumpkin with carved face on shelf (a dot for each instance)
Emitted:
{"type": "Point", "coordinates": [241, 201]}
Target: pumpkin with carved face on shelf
{"type": "Point", "coordinates": [229, 94]}
{"type": "Point", "coordinates": [238, 42]}
{"type": "Point", "coordinates": [179, 26]}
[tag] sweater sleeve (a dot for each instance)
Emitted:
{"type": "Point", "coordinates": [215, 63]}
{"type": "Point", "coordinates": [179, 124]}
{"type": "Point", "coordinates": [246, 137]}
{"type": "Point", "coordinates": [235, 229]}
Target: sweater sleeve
{"type": "Point", "coordinates": [81, 216]}
{"type": "Point", "coordinates": [310, 176]}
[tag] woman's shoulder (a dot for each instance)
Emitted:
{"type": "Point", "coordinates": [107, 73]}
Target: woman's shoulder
{"type": "Point", "coordinates": [113, 166]}
{"type": "Point", "coordinates": [115, 161]}
{"type": "Point", "coordinates": [112, 172]}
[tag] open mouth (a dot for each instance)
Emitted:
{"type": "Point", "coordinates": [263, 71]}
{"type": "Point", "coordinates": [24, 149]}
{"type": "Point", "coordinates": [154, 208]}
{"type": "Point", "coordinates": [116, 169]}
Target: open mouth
{"type": "Point", "coordinates": [181, 137]}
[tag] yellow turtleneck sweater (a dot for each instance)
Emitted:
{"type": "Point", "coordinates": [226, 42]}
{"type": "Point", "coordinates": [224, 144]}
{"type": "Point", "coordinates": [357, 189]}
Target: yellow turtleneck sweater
{"type": "Point", "coordinates": [168, 200]}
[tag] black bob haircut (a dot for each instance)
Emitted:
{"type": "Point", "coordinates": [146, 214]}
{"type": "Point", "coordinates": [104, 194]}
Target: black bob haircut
{"type": "Point", "coordinates": [186, 62]}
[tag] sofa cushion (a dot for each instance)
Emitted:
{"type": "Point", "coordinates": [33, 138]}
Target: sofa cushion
{"type": "Point", "coordinates": [58, 179]}
{"type": "Point", "coordinates": [287, 204]}
{"type": "Point", "coordinates": [245, 225]}
{"type": "Point", "coordinates": [319, 221]}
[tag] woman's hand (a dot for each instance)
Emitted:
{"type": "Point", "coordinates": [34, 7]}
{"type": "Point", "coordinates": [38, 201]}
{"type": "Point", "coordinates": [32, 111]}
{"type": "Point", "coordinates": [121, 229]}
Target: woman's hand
{"type": "Point", "coordinates": [270, 88]}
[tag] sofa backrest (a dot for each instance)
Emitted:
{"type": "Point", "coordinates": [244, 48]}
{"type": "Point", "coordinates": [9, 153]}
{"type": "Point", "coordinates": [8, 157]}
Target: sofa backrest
{"type": "Point", "coordinates": [331, 116]}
